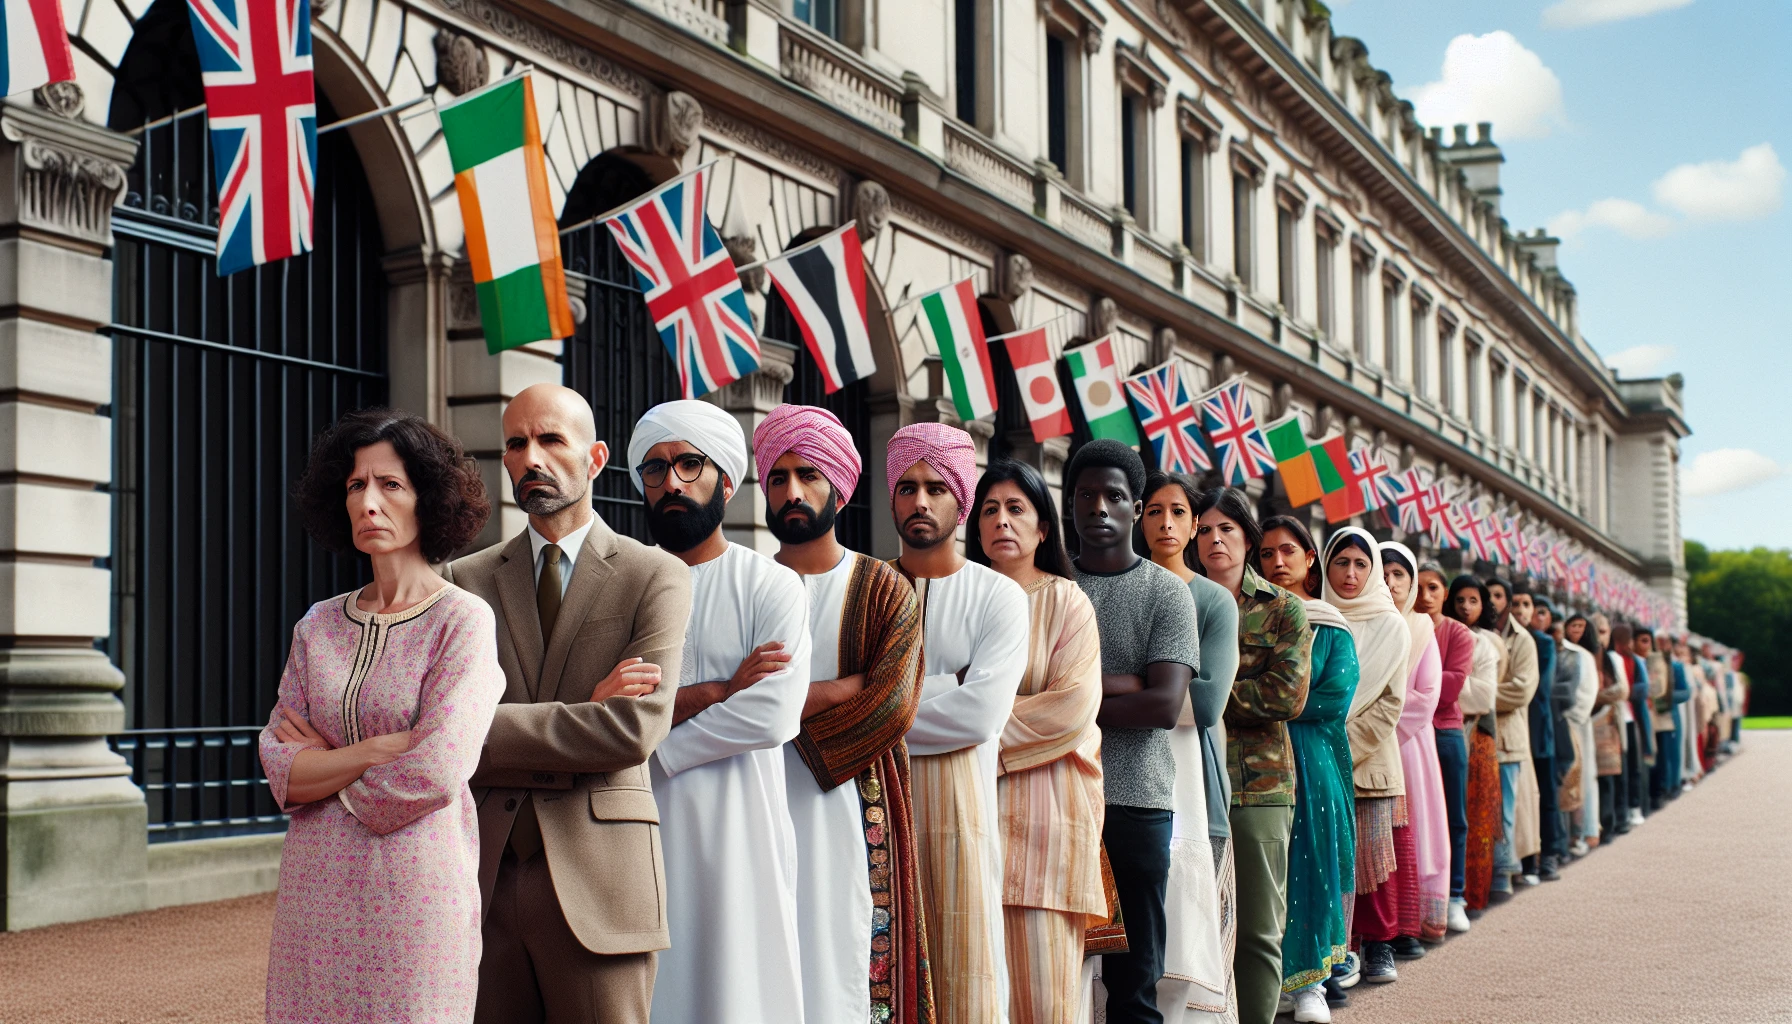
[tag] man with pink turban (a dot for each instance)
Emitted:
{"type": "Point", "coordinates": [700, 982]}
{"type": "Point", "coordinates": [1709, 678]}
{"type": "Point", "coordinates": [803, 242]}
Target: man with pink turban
{"type": "Point", "coordinates": [976, 627]}
{"type": "Point", "coordinates": [847, 772]}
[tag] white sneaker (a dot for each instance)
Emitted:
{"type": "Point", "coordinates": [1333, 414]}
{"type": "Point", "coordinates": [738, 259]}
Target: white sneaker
{"type": "Point", "coordinates": [1580, 847]}
{"type": "Point", "coordinates": [1530, 879]}
{"type": "Point", "coordinates": [1309, 1005]}
{"type": "Point", "coordinates": [1458, 918]}
{"type": "Point", "coordinates": [1636, 816]}
{"type": "Point", "coordinates": [1285, 1004]}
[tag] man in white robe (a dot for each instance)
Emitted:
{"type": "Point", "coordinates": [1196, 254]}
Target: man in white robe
{"type": "Point", "coordinates": [718, 778]}
{"type": "Point", "coordinates": [976, 629]}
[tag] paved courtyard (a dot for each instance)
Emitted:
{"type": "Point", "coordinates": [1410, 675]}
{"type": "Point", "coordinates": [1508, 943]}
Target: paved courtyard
{"type": "Point", "coordinates": [1687, 920]}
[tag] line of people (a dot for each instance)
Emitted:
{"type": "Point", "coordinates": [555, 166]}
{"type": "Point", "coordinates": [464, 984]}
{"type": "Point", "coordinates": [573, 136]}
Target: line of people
{"type": "Point", "coordinates": [1200, 771]}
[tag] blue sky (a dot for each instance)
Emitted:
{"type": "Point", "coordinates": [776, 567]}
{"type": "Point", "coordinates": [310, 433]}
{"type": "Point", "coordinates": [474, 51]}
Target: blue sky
{"type": "Point", "coordinates": [1653, 136]}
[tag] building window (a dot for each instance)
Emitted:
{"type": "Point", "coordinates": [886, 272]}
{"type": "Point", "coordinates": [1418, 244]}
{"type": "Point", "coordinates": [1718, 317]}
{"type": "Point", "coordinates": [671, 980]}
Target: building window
{"type": "Point", "coordinates": [1522, 438]}
{"type": "Point", "coordinates": [1286, 244]}
{"type": "Point", "coordinates": [821, 15]}
{"type": "Point", "coordinates": [1605, 513]}
{"type": "Point", "coordinates": [964, 24]}
{"type": "Point", "coordinates": [1243, 209]}
{"type": "Point", "coordinates": [1325, 262]}
{"type": "Point", "coordinates": [1390, 324]}
{"type": "Point", "coordinates": [1446, 366]}
{"type": "Point", "coordinates": [1421, 315]}
{"type": "Point", "coordinates": [1473, 366]}
{"type": "Point", "coordinates": [1496, 406]}
{"type": "Point", "coordinates": [1064, 106]}
{"type": "Point", "coordinates": [1194, 196]}
{"type": "Point", "coordinates": [1135, 161]}
{"type": "Point", "coordinates": [1362, 263]}
{"type": "Point", "coordinates": [1541, 438]}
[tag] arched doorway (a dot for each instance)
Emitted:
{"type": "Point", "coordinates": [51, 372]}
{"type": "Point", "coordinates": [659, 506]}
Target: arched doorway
{"type": "Point", "coordinates": [219, 386]}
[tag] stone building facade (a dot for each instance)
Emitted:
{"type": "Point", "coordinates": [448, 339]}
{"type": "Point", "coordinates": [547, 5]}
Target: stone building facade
{"type": "Point", "coordinates": [1220, 182]}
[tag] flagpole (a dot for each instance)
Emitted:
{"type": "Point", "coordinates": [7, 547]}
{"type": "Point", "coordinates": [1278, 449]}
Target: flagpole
{"type": "Point", "coordinates": [613, 211]}
{"type": "Point", "coordinates": [992, 339]}
{"type": "Point", "coordinates": [160, 121]}
{"type": "Point", "coordinates": [932, 291]}
{"type": "Point", "coordinates": [805, 247]}
{"type": "Point", "coordinates": [370, 115]}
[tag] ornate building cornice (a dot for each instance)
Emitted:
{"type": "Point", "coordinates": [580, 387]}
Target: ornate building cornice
{"type": "Point", "coordinates": [66, 174]}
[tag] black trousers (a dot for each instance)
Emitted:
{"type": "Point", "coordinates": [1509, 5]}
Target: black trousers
{"type": "Point", "coordinates": [1636, 774]}
{"type": "Point", "coordinates": [1614, 806]}
{"type": "Point", "coordinates": [1138, 843]}
{"type": "Point", "coordinates": [1550, 826]}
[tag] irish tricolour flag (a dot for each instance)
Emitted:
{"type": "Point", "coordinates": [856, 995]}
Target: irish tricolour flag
{"type": "Point", "coordinates": [501, 178]}
{"type": "Point", "coordinates": [950, 323]}
{"type": "Point", "coordinates": [1097, 381]}
{"type": "Point", "coordinates": [36, 49]}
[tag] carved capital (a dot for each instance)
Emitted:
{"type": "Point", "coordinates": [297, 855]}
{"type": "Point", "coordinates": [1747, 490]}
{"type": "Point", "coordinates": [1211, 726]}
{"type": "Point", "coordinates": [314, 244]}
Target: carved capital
{"type": "Point", "coordinates": [1163, 345]}
{"type": "Point", "coordinates": [463, 299]}
{"type": "Point", "coordinates": [461, 65]}
{"type": "Point", "coordinates": [762, 390]}
{"type": "Point", "coordinates": [1016, 277]}
{"type": "Point", "coordinates": [64, 99]}
{"type": "Point", "coordinates": [742, 250]}
{"type": "Point", "coordinates": [674, 120]}
{"type": "Point", "coordinates": [870, 209]}
{"type": "Point", "coordinates": [68, 174]}
{"type": "Point", "coordinates": [1091, 39]}
{"type": "Point", "coordinates": [1104, 315]}
{"type": "Point", "coordinates": [1281, 400]}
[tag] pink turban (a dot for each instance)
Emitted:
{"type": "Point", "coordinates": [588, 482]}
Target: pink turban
{"type": "Point", "coordinates": [949, 450]}
{"type": "Point", "coordinates": [815, 434]}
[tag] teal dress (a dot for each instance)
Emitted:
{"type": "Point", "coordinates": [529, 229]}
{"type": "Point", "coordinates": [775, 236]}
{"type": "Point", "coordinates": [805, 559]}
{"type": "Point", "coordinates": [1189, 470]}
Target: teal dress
{"type": "Point", "coordinates": [1322, 845]}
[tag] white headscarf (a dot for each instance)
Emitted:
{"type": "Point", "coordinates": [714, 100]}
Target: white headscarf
{"type": "Point", "coordinates": [1383, 639]}
{"type": "Point", "coordinates": [712, 431]}
{"type": "Point", "coordinates": [1422, 628]}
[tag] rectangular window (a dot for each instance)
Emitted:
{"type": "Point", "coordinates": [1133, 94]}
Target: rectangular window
{"type": "Point", "coordinates": [1057, 102]}
{"type": "Point", "coordinates": [1325, 260]}
{"type": "Point", "coordinates": [820, 15]}
{"type": "Point", "coordinates": [964, 24]}
{"type": "Point", "coordinates": [1473, 367]}
{"type": "Point", "coordinates": [1243, 251]}
{"type": "Point", "coordinates": [1194, 196]}
{"type": "Point", "coordinates": [1286, 244]}
{"type": "Point", "coordinates": [1521, 417]}
{"type": "Point", "coordinates": [1131, 135]}
{"type": "Point", "coordinates": [1446, 366]}
{"type": "Point", "coordinates": [1540, 436]}
{"type": "Point", "coordinates": [1390, 325]}
{"type": "Point", "coordinates": [1421, 314]}
{"type": "Point", "coordinates": [1496, 387]}
{"type": "Point", "coordinates": [1359, 307]}
{"type": "Point", "coordinates": [1606, 512]}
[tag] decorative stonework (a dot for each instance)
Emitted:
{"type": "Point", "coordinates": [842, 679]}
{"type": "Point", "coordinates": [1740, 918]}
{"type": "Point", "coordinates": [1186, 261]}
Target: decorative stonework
{"type": "Point", "coordinates": [743, 250]}
{"type": "Point", "coordinates": [461, 66]}
{"type": "Point", "coordinates": [753, 137]}
{"type": "Point", "coordinates": [1104, 316]}
{"type": "Point", "coordinates": [527, 33]}
{"type": "Point", "coordinates": [1016, 277]}
{"type": "Point", "coordinates": [463, 299]}
{"type": "Point", "coordinates": [870, 209]}
{"type": "Point", "coordinates": [932, 222]}
{"type": "Point", "coordinates": [674, 122]}
{"type": "Point", "coordinates": [977, 160]}
{"type": "Point", "coordinates": [809, 63]}
{"type": "Point", "coordinates": [697, 15]}
{"type": "Point", "coordinates": [63, 186]}
{"type": "Point", "coordinates": [64, 99]}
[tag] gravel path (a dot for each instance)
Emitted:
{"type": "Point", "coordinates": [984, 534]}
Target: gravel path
{"type": "Point", "coordinates": [1685, 921]}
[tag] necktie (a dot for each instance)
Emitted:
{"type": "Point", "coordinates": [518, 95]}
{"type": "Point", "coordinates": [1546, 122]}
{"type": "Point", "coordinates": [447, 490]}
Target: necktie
{"type": "Point", "coordinates": [525, 832]}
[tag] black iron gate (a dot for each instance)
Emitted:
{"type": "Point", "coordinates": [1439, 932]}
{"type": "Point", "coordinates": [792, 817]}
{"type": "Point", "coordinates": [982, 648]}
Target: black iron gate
{"type": "Point", "coordinates": [219, 386]}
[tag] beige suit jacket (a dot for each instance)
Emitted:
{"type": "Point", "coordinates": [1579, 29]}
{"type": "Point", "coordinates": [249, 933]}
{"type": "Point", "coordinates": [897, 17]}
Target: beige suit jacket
{"type": "Point", "coordinates": [584, 764]}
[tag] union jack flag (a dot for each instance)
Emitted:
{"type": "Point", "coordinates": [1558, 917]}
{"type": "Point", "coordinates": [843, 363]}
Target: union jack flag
{"type": "Point", "coordinates": [255, 63]}
{"type": "Point", "coordinates": [692, 290]}
{"type": "Point", "coordinates": [1232, 427]}
{"type": "Point", "coordinates": [1502, 539]}
{"type": "Point", "coordinates": [1371, 474]}
{"type": "Point", "coordinates": [1402, 499]}
{"type": "Point", "coordinates": [1168, 416]}
{"type": "Point", "coordinates": [1437, 514]}
{"type": "Point", "coordinates": [1469, 531]}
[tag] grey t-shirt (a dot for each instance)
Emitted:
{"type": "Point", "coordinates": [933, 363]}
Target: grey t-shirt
{"type": "Point", "coordinates": [1144, 614]}
{"type": "Point", "coordinates": [1217, 611]}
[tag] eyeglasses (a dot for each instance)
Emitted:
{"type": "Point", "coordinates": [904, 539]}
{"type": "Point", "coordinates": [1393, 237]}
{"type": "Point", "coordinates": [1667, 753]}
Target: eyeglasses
{"type": "Point", "coordinates": [688, 466]}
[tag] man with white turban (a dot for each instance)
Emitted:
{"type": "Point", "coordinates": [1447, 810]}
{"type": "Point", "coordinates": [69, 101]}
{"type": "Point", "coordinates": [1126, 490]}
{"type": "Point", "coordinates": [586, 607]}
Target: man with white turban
{"type": "Point", "coordinates": [976, 629]}
{"type": "Point", "coordinates": [718, 778]}
{"type": "Point", "coordinates": [847, 771]}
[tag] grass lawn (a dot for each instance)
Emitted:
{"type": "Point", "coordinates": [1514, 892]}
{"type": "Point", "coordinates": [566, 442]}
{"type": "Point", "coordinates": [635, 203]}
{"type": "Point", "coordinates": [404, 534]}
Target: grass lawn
{"type": "Point", "coordinates": [1768, 722]}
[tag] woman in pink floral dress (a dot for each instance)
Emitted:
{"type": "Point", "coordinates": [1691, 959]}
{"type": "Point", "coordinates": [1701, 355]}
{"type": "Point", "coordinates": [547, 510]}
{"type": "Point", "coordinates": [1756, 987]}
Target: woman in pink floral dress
{"type": "Point", "coordinates": [383, 709]}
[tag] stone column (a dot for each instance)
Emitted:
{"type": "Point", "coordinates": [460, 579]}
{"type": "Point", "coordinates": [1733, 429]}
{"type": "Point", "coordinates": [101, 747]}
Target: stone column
{"type": "Point", "coordinates": [73, 828]}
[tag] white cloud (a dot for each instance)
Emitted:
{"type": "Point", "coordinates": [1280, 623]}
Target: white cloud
{"type": "Point", "coordinates": [1630, 219]}
{"type": "Point", "coordinates": [1727, 469]}
{"type": "Point", "coordinates": [1492, 78]}
{"type": "Point", "coordinates": [1641, 361]}
{"type": "Point", "coordinates": [1746, 188]}
{"type": "Point", "coordinates": [1578, 13]}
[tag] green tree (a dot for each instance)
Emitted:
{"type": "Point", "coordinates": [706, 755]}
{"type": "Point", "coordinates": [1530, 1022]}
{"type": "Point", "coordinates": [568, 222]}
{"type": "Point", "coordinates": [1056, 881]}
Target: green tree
{"type": "Point", "coordinates": [1744, 599]}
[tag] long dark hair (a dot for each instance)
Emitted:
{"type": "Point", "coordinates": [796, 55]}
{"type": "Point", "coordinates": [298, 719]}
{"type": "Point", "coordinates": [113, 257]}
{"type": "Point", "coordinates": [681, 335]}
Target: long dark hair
{"type": "Point", "coordinates": [1050, 555]}
{"type": "Point", "coordinates": [1301, 537]}
{"type": "Point", "coordinates": [1155, 481]}
{"type": "Point", "coordinates": [1457, 586]}
{"type": "Point", "coordinates": [1589, 637]}
{"type": "Point", "coordinates": [1231, 503]}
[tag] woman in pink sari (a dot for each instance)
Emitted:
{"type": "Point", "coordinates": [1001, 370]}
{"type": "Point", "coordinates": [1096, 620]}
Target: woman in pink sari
{"type": "Point", "coordinates": [1423, 880]}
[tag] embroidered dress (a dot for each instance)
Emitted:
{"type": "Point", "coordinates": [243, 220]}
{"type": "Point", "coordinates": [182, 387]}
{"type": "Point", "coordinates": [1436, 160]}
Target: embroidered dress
{"type": "Point", "coordinates": [377, 917]}
{"type": "Point", "coordinates": [1322, 842]}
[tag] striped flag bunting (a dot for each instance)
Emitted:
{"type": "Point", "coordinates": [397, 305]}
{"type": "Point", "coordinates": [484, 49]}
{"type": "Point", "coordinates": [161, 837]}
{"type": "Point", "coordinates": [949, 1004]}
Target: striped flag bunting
{"type": "Point", "coordinates": [1097, 380]}
{"type": "Point", "coordinates": [952, 326]}
{"type": "Point", "coordinates": [255, 64]}
{"type": "Point", "coordinates": [1402, 493]}
{"type": "Point", "coordinates": [1169, 419]}
{"type": "Point", "coordinates": [692, 290]}
{"type": "Point", "coordinates": [36, 51]}
{"type": "Point", "coordinates": [1036, 372]}
{"type": "Point", "coordinates": [1502, 539]}
{"type": "Point", "coordinates": [823, 284]}
{"type": "Point", "coordinates": [501, 179]}
{"type": "Point", "coordinates": [1342, 484]}
{"type": "Point", "coordinates": [1231, 426]}
{"type": "Point", "coordinates": [1370, 472]}
{"type": "Point", "coordinates": [1294, 460]}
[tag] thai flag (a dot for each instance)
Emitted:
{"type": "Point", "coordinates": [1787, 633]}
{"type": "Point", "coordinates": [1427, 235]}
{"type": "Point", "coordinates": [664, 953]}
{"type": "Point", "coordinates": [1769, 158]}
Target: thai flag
{"type": "Point", "coordinates": [36, 51]}
{"type": "Point", "coordinates": [692, 290]}
{"type": "Point", "coordinates": [823, 284]}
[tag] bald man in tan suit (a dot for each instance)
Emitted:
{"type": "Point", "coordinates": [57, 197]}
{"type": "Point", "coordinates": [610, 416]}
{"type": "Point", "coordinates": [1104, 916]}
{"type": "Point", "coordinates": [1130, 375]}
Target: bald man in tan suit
{"type": "Point", "coordinates": [589, 623]}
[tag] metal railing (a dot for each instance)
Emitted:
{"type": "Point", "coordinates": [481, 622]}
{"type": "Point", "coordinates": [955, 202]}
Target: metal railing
{"type": "Point", "coordinates": [200, 782]}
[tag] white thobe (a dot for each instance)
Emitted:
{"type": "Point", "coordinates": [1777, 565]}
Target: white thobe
{"type": "Point", "coordinates": [976, 621]}
{"type": "Point", "coordinates": [725, 828]}
{"type": "Point", "coordinates": [833, 901]}
{"type": "Point", "coordinates": [1194, 955]}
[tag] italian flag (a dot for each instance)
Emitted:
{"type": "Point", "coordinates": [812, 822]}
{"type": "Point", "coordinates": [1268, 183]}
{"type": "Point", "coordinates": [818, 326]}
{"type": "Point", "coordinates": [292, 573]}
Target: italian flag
{"type": "Point", "coordinates": [501, 177]}
{"type": "Point", "coordinates": [1036, 372]}
{"type": "Point", "coordinates": [1098, 389]}
{"type": "Point", "coordinates": [1294, 460]}
{"type": "Point", "coordinates": [950, 324]}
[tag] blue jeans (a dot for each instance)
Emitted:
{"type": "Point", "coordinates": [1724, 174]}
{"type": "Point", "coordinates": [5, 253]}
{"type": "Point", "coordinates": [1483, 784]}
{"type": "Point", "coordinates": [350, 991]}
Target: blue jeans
{"type": "Point", "coordinates": [1138, 843]}
{"type": "Point", "coordinates": [1452, 759]}
{"type": "Point", "coordinates": [1503, 861]}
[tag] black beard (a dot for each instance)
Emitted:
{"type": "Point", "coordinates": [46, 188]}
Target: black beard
{"type": "Point", "coordinates": [542, 502]}
{"type": "Point", "coordinates": [809, 526]}
{"type": "Point", "coordinates": [945, 534]}
{"type": "Point", "coordinates": [687, 529]}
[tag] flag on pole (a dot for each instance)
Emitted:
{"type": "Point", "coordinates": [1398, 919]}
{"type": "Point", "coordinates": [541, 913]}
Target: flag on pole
{"type": "Point", "coordinates": [1343, 491]}
{"type": "Point", "coordinates": [1036, 372]}
{"type": "Point", "coordinates": [1294, 460]}
{"type": "Point", "coordinates": [1231, 425]}
{"type": "Point", "coordinates": [952, 326]}
{"type": "Point", "coordinates": [823, 284]}
{"type": "Point", "coordinates": [1370, 473]}
{"type": "Point", "coordinates": [692, 290]}
{"type": "Point", "coordinates": [1097, 381]}
{"type": "Point", "coordinates": [1436, 512]}
{"type": "Point", "coordinates": [501, 178]}
{"type": "Point", "coordinates": [1403, 493]}
{"type": "Point", "coordinates": [1169, 420]}
{"type": "Point", "coordinates": [255, 64]}
{"type": "Point", "coordinates": [1502, 540]}
{"type": "Point", "coordinates": [36, 51]}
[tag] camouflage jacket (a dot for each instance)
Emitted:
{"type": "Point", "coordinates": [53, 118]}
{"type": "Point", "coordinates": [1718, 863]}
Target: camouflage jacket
{"type": "Point", "coordinates": [1275, 657]}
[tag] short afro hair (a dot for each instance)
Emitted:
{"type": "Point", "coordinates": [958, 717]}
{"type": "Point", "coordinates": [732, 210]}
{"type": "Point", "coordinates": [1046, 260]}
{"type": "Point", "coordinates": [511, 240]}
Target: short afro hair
{"type": "Point", "coordinates": [1107, 453]}
{"type": "Point", "coordinates": [452, 506]}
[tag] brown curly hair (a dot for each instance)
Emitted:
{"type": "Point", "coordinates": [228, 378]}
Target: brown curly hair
{"type": "Point", "coordinates": [451, 504]}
